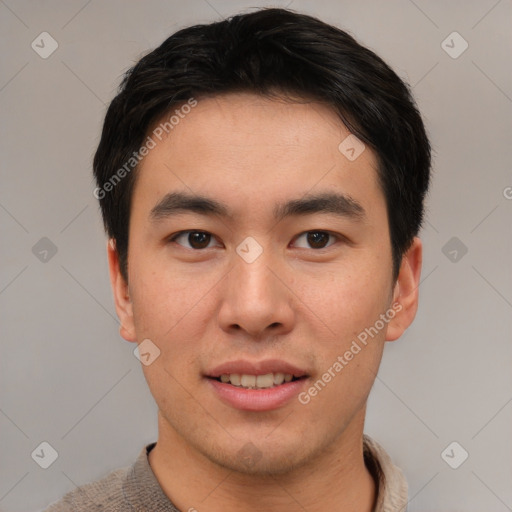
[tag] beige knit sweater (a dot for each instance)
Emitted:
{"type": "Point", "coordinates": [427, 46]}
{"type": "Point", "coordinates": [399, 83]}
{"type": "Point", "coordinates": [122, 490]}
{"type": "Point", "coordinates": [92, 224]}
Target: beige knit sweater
{"type": "Point", "coordinates": [136, 489]}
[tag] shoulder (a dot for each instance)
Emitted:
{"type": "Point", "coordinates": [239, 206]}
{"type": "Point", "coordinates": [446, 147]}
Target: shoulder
{"type": "Point", "coordinates": [105, 495]}
{"type": "Point", "coordinates": [131, 488]}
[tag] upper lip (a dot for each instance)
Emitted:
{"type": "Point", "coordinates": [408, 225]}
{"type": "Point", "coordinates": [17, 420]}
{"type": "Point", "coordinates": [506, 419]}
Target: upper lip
{"type": "Point", "coordinates": [256, 368]}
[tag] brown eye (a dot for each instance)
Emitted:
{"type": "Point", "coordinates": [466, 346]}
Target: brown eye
{"type": "Point", "coordinates": [317, 239]}
{"type": "Point", "coordinates": [193, 239]}
{"type": "Point", "coordinates": [199, 239]}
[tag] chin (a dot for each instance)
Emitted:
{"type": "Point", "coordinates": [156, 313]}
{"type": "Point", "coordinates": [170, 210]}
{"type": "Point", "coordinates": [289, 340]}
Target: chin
{"type": "Point", "coordinates": [264, 461]}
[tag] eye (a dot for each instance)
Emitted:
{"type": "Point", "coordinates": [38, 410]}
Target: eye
{"type": "Point", "coordinates": [195, 239]}
{"type": "Point", "coordinates": [315, 239]}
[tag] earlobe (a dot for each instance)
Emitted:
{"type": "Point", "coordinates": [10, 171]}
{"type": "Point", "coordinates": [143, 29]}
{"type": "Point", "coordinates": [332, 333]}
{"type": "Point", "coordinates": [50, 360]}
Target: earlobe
{"type": "Point", "coordinates": [121, 293]}
{"type": "Point", "coordinates": [405, 293]}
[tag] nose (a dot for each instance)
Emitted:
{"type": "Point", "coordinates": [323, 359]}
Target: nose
{"type": "Point", "coordinates": [256, 299]}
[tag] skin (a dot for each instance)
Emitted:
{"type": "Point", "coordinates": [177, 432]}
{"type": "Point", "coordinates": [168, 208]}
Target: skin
{"type": "Point", "coordinates": [298, 303]}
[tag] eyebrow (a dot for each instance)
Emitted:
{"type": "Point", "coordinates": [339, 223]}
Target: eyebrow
{"type": "Point", "coordinates": [330, 202]}
{"type": "Point", "coordinates": [176, 202]}
{"type": "Point", "coordinates": [340, 204]}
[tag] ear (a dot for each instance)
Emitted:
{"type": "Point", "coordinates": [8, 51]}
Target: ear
{"type": "Point", "coordinates": [121, 293]}
{"type": "Point", "coordinates": [405, 294]}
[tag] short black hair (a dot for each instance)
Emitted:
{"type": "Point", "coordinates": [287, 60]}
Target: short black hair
{"type": "Point", "coordinates": [271, 52]}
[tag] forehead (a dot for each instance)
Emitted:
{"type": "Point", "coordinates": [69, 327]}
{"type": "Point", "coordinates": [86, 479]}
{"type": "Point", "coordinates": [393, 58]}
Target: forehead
{"type": "Point", "coordinates": [242, 120]}
{"type": "Point", "coordinates": [245, 147]}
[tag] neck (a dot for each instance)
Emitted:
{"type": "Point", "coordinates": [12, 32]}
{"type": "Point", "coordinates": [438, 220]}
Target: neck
{"type": "Point", "coordinates": [335, 480]}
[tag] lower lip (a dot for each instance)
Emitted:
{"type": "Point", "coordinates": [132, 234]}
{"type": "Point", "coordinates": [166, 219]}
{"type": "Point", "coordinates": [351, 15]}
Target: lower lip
{"type": "Point", "coordinates": [257, 399]}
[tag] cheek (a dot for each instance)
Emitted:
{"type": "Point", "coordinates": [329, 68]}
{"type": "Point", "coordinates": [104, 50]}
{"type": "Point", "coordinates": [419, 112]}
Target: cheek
{"type": "Point", "coordinates": [347, 300]}
{"type": "Point", "coordinates": [349, 358]}
{"type": "Point", "coordinates": [337, 395]}
{"type": "Point", "coordinates": [169, 307]}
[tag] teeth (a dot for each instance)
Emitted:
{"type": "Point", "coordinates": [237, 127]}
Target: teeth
{"type": "Point", "coordinates": [248, 381]}
{"type": "Point", "coordinates": [265, 381]}
{"type": "Point", "coordinates": [278, 378]}
{"type": "Point", "coordinates": [256, 381]}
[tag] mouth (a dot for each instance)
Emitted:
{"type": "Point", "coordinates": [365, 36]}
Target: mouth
{"type": "Point", "coordinates": [260, 386]}
{"type": "Point", "coordinates": [266, 381]}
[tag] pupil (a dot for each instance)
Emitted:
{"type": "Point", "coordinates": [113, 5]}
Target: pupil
{"type": "Point", "coordinates": [198, 239]}
{"type": "Point", "coordinates": [317, 239]}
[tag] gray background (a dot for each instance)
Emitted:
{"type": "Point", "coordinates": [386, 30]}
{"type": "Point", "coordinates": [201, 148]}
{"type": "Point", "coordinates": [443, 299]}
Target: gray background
{"type": "Point", "coordinates": [66, 376]}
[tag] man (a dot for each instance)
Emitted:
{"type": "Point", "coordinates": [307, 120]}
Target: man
{"type": "Point", "coordinates": [261, 181]}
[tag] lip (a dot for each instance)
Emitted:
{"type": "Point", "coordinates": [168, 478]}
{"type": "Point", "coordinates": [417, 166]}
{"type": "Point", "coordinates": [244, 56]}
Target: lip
{"type": "Point", "coordinates": [257, 399]}
{"type": "Point", "coordinates": [256, 368]}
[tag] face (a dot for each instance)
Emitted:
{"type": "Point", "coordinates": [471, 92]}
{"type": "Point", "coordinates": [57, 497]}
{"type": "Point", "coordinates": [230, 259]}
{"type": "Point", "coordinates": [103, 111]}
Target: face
{"type": "Point", "coordinates": [260, 253]}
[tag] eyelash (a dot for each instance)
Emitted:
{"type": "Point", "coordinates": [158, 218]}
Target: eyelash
{"type": "Point", "coordinates": [336, 236]}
